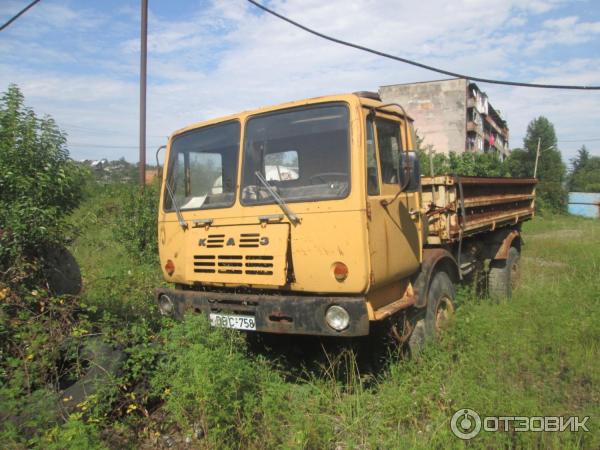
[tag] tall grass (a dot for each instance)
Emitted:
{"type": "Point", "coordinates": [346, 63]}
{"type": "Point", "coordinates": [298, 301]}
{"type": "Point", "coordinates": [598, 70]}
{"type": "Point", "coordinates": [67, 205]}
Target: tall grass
{"type": "Point", "coordinates": [537, 354]}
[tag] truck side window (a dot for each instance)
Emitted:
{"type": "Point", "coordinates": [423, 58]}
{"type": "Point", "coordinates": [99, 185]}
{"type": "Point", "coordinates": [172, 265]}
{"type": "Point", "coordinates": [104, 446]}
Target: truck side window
{"type": "Point", "coordinates": [390, 146]}
{"type": "Point", "coordinates": [372, 169]}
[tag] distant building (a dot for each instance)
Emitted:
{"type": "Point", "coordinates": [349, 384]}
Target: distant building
{"type": "Point", "coordinates": [451, 115]}
{"type": "Point", "coordinates": [151, 174]}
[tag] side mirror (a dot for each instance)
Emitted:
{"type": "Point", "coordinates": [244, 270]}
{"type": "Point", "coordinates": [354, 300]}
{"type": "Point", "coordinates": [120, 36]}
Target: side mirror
{"type": "Point", "coordinates": [409, 172]}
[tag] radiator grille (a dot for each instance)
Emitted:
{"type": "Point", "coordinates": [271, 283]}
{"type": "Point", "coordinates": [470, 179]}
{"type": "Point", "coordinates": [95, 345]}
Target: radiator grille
{"type": "Point", "coordinates": [239, 254]}
{"type": "Point", "coordinates": [234, 264]}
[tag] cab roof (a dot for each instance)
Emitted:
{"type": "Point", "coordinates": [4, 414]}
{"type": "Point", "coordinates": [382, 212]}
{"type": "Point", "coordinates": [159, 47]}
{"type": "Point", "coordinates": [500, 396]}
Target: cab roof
{"type": "Point", "coordinates": [349, 98]}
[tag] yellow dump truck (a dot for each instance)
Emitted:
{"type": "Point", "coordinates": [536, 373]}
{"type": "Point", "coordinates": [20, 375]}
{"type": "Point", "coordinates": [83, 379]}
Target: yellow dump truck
{"type": "Point", "coordinates": [311, 217]}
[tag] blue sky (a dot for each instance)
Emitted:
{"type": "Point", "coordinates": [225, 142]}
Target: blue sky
{"type": "Point", "coordinates": [78, 60]}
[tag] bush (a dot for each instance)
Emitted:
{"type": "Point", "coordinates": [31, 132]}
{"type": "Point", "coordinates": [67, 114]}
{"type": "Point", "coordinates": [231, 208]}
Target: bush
{"type": "Point", "coordinates": [39, 184]}
{"type": "Point", "coordinates": [74, 435]}
{"type": "Point", "coordinates": [209, 383]}
{"type": "Point", "coordinates": [137, 224]}
{"type": "Point", "coordinates": [466, 164]}
{"type": "Point", "coordinates": [552, 197]}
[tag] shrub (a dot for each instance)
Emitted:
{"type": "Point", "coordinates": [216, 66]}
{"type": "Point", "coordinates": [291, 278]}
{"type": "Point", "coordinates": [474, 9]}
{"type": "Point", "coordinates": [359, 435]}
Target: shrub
{"type": "Point", "coordinates": [137, 224]}
{"type": "Point", "coordinates": [74, 434]}
{"type": "Point", "coordinates": [466, 164]}
{"type": "Point", "coordinates": [39, 184]}
{"type": "Point", "coordinates": [208, 382]}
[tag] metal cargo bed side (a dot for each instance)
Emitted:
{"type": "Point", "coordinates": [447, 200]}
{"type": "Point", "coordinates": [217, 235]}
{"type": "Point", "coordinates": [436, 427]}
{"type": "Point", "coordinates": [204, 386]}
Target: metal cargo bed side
{"type": "Point", "coordinates": [470, 205]}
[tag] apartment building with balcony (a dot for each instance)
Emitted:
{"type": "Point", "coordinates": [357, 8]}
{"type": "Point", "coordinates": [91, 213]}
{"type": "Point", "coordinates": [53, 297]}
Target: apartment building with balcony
{"type": "Point", "coordinates": [452, 115]}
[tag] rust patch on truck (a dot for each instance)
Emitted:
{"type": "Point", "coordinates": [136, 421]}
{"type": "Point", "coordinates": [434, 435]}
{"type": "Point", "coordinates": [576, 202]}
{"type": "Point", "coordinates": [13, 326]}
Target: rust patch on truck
{"type": "Point", "coordinates": [502, 252]}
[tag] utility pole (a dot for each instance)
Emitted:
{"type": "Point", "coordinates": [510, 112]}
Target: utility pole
{"type": "Point", "coordinates": [537, 157]}
{"type": "Point", "coordinates": [143, 65]}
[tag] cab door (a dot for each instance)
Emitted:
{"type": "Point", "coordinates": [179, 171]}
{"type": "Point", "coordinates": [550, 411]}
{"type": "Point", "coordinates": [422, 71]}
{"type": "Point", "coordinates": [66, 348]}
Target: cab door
{"type": "Point", "coordinates": [394, 242]}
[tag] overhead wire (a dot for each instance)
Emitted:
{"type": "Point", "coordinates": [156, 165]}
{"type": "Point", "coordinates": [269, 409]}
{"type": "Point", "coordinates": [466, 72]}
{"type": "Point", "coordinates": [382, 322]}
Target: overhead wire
{"type": "Point", "coordinates": [19, 14]}
{"type": "Point", "coordinates": [418, 64]}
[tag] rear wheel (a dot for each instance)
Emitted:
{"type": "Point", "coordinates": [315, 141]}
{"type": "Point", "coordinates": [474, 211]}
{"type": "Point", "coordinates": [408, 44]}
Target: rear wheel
{"type": "Point", "coordinates": [504, 276]}
{"type": "Point", "coordinates": [438, 313]}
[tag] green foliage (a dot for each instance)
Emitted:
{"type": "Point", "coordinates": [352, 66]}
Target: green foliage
{"type": "Point", "coordinates": [116, 280]}
{"type": "Point", "coordinates": [39, 337]}
{"type": "Point", "coordinates": [75, 434]}
{"type": "Point", "coordinates": [23, 413]}
{"type": "Point", "coordinates": [208, 381]}
{"type": "Point", "coordinates": [137, 226]}
{"type": "Point", "coordinates": [465, 164]}
{"type": "Point", "coordinates": [39, 184]}
{"type": "Point", "coordinates": [585, 176]}
{"type": "Point", "coordinates": [550, 193]}
{"type": "Point", "coordinates": [520, 163]}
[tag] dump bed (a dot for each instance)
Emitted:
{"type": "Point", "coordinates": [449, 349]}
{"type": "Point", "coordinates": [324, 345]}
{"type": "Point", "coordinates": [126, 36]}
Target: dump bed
{"type": "Point", "coordinates": [471, 205]}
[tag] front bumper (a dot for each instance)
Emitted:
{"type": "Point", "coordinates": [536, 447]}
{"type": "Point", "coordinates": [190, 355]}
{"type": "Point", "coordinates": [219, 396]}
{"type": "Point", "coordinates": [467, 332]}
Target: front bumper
{"type": "Point", "coordinates": [286, 314]}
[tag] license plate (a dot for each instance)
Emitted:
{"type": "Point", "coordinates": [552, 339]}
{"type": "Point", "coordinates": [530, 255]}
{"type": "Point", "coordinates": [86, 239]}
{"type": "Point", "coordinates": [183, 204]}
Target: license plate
{"type": "Point", "coordinates": [232, 321]}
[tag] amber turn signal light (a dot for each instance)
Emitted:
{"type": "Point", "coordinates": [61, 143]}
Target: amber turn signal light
{"type": "Point", "coordinates": [340, 271]}
{"type": "Point", "coordinates": [170, 267]}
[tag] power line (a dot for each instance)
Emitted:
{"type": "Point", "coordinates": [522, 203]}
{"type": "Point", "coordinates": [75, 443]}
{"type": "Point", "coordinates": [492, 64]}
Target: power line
{"type": "Point", "coordinates": [415, 63]}
{"type": "Point", "coordinates": [19, 14]}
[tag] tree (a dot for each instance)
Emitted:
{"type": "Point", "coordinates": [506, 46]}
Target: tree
{"type": "Point", "coordinates": [39, 183]}
{"type": "Point", "coordinates": [520, 163]}
{"type": "Point", "coordinates": [581, 159]}
{"type": "Point", "coordinates": [585, 176]}
{"type": "Point", "coordinates": [551, 193]}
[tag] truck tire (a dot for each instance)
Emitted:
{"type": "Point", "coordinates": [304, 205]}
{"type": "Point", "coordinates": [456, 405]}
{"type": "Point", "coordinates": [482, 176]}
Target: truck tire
{"type": "Point", "coordinates": [438, 312]}
{"type": "Point", "coordinates": [504, 275]}
{"type": "Point", "coordinates": [104, 361]}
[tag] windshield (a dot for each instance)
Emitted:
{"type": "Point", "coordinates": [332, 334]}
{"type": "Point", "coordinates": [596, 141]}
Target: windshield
{"type": "Point", "coordinates": [203, 167]}
{"type": "Point", "coordinates": [302, 153]}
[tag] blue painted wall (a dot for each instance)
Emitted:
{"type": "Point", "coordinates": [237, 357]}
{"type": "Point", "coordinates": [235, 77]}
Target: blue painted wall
{"type": "Point", "coordinates": [584, 210]}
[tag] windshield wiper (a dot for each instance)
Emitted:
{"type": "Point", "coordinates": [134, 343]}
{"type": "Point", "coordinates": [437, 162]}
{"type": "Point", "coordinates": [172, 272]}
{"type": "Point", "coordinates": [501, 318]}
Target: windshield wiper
{"type": "Point", "coordinates": [182, 222]}
{"type": "Point", "coordinates": [283, 205]}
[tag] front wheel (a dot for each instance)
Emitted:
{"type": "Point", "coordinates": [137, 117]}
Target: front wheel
{"type": "Point", "coordinates": [438, 313]}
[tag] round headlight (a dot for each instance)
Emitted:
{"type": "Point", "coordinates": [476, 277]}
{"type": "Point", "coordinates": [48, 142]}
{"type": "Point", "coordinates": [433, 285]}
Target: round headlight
{"type": "Point", "coordinates": [165, 305]}
{"type": "Point", "coordinates": [337, 318]}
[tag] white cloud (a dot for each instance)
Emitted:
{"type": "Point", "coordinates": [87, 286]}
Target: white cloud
{"type": "Point", "coordinates": [564, 31]}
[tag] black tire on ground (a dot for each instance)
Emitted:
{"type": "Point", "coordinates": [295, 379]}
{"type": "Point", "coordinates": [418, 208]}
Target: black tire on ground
{"type": "Point", "coordinates": [504, 275]}
{"type": "Point", "coordinates": [104, 361]}
{"type": "Point", "coordinates": [62, 271]}
{"type": "Point", "coordinates": [438, 312]}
